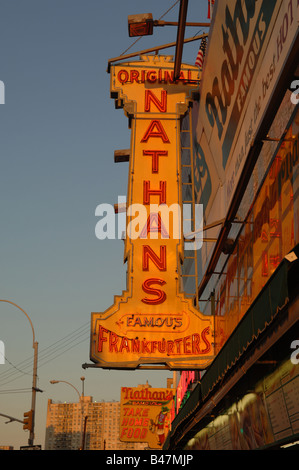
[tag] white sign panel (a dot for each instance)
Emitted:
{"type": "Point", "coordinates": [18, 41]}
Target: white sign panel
{"type": "Point", "coordinates": [249, 45]}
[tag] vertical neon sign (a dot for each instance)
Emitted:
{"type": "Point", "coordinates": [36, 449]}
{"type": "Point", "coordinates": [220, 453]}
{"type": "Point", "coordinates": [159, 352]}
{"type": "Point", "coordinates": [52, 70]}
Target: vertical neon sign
{"type": "Point", "coordinates": [153, 322]}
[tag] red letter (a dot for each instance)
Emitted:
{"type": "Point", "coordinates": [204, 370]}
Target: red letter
{"type": "Point", "coordinates": [161, 296]}
{"type": "Point", "coordinates": [204, 333]}
{"type": "Point", "coordinates": [101, 338]}
{"type": "Point", "coordinates": [124, 345]}
{"type": "Point", "coordinates": [159, 133]}
{"type": "Point", "coordinates": [156, 192]}
{"type": "Point", "coordinates": [134, 76]}
{"type": "Point", "coordinates": [196, 343]}
{"type": "Point", "coordinates": [154, 224]}
{"type": "Point", "coordinates": [123, 432]}
{"type": "Point", "coordinates": [155, 154]}
{"type": "Point", "coordinates": [149, 253]}
{"type": "Point", "coordinates": [113, 339]}
{"type": "Point", "coordinates": [121, 78]}
{"type": "Point", "coordinates": [161, 105]}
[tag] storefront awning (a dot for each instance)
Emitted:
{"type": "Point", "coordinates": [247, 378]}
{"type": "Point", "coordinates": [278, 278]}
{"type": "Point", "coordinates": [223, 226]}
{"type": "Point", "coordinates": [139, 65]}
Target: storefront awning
{"type": "Point", "coordinates": [185, 412]}
{"type": "Point", "coordinates": [273, 297]}
{"type": "Point", "coordinates": [271, 300]}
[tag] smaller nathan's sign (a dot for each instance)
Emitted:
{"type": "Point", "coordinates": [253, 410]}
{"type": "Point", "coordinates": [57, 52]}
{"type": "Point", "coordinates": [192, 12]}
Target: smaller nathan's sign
{"type": "Point", "coordinates": [145, 415]}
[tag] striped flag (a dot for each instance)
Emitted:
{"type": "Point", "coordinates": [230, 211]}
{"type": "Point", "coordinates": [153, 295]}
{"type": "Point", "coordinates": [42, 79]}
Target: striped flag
{"type": "Point", "coordinates": [210, 8]}
{"type": "Point", "coordinates": [201, 53]}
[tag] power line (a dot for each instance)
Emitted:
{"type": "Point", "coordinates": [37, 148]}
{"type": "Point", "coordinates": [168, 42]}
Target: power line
{"type": "Point", "coordinates": [10, 378]}
{"type": "Point", "coordinates": [71, 347]}
{"type": "Point", "coordinates": [15, 367]}
{"type": "Point", "coordinates": [16, 390]}
{"type": "Point", "coordinates": [43, 351]}
{"type": "Point", "coordinates": [46, 353]}
{"type": "Point", "coordinates": [27, 362]}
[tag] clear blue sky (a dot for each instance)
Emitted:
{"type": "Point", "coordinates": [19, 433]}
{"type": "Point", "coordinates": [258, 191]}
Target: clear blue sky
{"type": "Point", "coordinates": [59, 130]}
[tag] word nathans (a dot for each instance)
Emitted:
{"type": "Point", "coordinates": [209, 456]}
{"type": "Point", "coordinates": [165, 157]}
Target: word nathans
{"type": "Point", "coordinates": [145, 394]}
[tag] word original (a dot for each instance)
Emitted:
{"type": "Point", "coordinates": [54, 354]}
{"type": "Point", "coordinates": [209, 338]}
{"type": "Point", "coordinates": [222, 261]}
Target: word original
{"type": "Point", "coordinates": [153, 76]}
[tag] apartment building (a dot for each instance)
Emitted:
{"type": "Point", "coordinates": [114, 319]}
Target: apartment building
{"type": "Point", "coordinates": [88, 424]}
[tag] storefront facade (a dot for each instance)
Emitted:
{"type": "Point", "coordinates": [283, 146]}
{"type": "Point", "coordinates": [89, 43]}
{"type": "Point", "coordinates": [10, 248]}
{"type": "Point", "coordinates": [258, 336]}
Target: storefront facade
{"type": "Point", "coordinates": [245, 152]}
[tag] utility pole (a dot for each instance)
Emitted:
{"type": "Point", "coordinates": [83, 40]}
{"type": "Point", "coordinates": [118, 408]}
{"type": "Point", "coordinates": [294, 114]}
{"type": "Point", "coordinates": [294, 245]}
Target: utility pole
{"type": "Point", "coordinates": [84, 433]}
{"type": "Point", "coordinates": [34, 380]}
{"type": "Point", "coordinates": [34, 390]}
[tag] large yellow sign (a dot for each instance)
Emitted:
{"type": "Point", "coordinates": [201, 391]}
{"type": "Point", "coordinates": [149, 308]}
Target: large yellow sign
{"type": "Point", "coordinates": [152, 322]}
{"type": "Point", "coordinates": [145, 415]}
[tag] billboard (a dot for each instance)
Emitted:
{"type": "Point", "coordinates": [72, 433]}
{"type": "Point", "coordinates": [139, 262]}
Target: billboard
{"type": "Point", "coordinates": [145, 415]}
{"type": "Point", "coordinates": [153, 322]}
{"type": "Point", "coordinates": [249, 44]}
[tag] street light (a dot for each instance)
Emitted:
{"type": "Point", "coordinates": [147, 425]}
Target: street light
{"type": "Point", "coordinates": [34, 387]}
{"type": "Point", "coordinates": [80, 401]}
{"type": "Point", "coordinates": [143, 24]}
{"type": "Point", "coordinates": [140, 25]}
{"type": "Point", "coordinates": [82, 379]}
{"type": "Point", "coordinates": [64, 381]}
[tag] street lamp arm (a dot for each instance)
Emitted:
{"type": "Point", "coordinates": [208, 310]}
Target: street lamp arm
{"type": "Point", "coordinates": [64, 381]}
{"type": "Point", "coordinates": [80, 402]}
{"type": "Point", "coordinates": [12, 303]}
{"type": "Point", "coordinates": [152, 49]}
{"type": "Point", "coordinates": [175, 23]}
{"type": "Point", "coordinates": [34, 379]}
